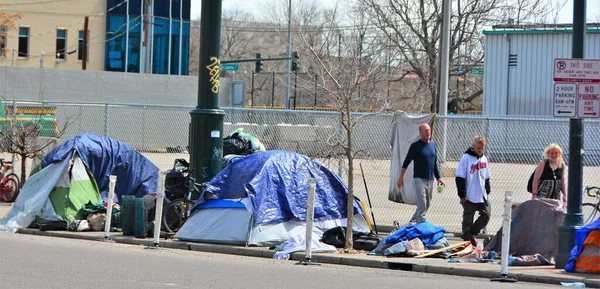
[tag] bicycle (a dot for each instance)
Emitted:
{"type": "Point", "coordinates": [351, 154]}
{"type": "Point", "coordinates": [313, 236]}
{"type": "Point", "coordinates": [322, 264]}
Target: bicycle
{"type": "Point", "coordinates": [9, 183]}
{"type": "Point", "coordinates": [179, 210]}
{"type": "Point", "coordinates": [591, 211]}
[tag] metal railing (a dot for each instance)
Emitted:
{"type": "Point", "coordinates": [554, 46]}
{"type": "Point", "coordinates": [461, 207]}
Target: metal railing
{"type": "Point", "coordinates": [515, 146]}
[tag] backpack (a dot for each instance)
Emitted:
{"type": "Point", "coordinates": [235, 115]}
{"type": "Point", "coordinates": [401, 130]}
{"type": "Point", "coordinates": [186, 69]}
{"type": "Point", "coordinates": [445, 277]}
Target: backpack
{"type": "Point", "coordinates": [530, 182]}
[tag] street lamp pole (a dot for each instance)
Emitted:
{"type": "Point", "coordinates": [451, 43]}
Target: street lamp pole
{"type": "Point", "coordinates": [574, 216]}
{"type": "Point", "coordinates": [206, 130]}
{"type": "Point", "coordinates": [288, 75]}
{"type": "Point", "coordinates": [445, 60]}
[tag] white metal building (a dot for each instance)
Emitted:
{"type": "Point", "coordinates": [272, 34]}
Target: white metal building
{"type": "Point", "coordinates": [518, 78]}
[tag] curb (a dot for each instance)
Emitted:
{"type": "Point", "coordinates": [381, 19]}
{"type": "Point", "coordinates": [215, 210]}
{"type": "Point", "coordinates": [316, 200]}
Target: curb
{"type": "Point", "coordinates": [391, 264]}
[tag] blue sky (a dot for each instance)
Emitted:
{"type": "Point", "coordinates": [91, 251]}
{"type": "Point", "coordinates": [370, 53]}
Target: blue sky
{"type": "Point", "coordinates": [566, 15]}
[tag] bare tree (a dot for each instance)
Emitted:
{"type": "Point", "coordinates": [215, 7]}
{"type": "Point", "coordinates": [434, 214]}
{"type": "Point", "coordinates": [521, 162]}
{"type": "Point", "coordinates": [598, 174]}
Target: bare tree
{"type": "Point", "coordinates": [347, 61]}
{"type": "Point", "coordinates": [237, 38]}
{"type": "Point", "coordinates": [29, 137]}
{"type": "Point", "coordinates": [414, 28]}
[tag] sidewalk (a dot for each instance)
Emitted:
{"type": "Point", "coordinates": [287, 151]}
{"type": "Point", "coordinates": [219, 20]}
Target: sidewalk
{"type": "Point", "coordinates": [535, 274]}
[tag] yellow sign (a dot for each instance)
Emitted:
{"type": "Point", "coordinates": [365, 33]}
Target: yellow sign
{"type": "Point", "coordinates": [214, 69]}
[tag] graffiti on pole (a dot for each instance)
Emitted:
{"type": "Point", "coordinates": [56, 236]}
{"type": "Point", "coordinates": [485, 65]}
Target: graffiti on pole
{"type": "Point", "coordinates": [214, 69]}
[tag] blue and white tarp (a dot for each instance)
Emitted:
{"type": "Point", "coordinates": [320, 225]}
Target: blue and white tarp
{"type": "Point", "coordinates": [276, 182]}
{"type": "Point", "coordinates": [103, 156]}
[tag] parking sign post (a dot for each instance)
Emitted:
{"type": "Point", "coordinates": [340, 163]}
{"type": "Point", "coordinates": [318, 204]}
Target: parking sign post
{"type": "Point", "coordinates": [574, 217]}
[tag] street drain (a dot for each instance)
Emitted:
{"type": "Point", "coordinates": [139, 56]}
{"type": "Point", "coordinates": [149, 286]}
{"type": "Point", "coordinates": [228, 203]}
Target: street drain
{"type": "Point", "coordinates": [400, 266]}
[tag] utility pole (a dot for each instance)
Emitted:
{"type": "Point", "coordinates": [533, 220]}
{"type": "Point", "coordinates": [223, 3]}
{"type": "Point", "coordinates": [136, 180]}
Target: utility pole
{"type": "Point", "coordinates": [206, 130]}
{"type": "Point", "coordinates": [288, 76]}
{"type": "Point", "coordinates": [574, 217]}
{"type": "Point", "coordinates": [444, 70]}
{"type": "Point", "coordinates": [85, 44]}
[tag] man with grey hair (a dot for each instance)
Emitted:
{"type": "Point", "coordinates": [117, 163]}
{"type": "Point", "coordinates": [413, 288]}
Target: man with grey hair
{"type": "Point", "coordinates": [423, 153]}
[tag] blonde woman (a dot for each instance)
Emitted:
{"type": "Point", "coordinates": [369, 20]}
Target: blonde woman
{"type": "Point", "coordinates": [549, 177]}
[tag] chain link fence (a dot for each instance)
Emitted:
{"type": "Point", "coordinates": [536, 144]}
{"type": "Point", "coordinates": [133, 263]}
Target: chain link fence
{"type": "Point", "coordinates": [515, 146]}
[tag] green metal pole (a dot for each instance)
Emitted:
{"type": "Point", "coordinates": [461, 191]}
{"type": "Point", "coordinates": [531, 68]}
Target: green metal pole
{"type": "Point", "coordinates": [206, 136]}
{"type": "Point", "coordinates": [574, 216]}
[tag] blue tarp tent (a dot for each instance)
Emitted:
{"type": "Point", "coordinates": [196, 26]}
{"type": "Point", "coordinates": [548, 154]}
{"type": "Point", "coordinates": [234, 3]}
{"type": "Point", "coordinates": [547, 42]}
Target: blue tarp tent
{"type": "Point", "coordinates": [103, 156]}
{"type": "Point", "coordinates": [273, 188]}
{"type": "Point", "coordinates": [576, 253]}
{"type": "Point", "coordinates": [77, 172]}
{"type": "Point", "coordinates": [277, 181]}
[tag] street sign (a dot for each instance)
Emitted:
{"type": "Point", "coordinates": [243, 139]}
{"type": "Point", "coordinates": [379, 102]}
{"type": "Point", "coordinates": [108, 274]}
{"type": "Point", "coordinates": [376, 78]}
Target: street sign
{"type": "Point", "coordinates": [588, 99]}
{"type": "Point", "coordinates": [229, 67]}
{"type": "Point", "coordinates": [476, 71]}
{"type": "Point", "coordinates": [565, 97]}
{"type": "Point", "coordinates": [577, 70]}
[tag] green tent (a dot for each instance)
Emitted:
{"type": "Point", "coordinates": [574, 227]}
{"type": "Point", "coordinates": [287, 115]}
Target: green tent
{"type": "Point", "coordinates": [73, 190]}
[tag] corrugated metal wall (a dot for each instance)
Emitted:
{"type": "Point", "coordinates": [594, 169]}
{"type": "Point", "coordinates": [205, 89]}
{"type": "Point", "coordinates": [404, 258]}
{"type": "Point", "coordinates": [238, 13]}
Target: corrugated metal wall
{"type": "Point", "coordinates": [528, 77]}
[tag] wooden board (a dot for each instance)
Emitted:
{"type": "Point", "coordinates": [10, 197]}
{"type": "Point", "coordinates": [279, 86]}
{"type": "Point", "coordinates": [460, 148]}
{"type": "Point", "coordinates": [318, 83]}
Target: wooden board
{"type": "Point", "coordinates": [431, 253]}
{"type": "Point", "coordinates": [466, 251]}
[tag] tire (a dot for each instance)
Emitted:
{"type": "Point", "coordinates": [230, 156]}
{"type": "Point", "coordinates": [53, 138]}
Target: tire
{"type": "Point", "coordinates": [174, 215]}
{"type": "Point", "coordinates": [9, 189]}
{"type": "Point", "coordinates": [16, 178]}
{"type": "Point", "coordinates": [591, 212]}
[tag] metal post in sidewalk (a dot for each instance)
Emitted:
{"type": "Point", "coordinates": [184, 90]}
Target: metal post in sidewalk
{"type": "Point", "coordinates": [109, 203]}
{"type": "Point", "coordinates": [160, 194]}
{"type": "Point", "coordinates": [508, 196]}
{"type": "Point", "coordinates": [310, 214]}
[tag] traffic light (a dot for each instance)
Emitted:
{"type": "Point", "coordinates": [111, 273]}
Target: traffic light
{"type": "Point", "coordinates": [453, 106]}
{"type": "Point", "coordinates": [295, 59]}
{"type": "Point", "coordinates": [259, 63]}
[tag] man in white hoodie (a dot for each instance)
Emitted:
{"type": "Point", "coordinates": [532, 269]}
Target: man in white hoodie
{"type": "Point", "coordinates": [473, 184]}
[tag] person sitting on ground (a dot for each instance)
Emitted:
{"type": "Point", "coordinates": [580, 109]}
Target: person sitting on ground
{"type": "Point", "coordinates": [473, 184]}
{"type": "Point", "coordinates": [549, 176]}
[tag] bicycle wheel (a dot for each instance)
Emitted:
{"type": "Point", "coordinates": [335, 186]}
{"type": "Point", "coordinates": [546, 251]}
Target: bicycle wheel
{"type": "Point", "coordinates": [175, 214]}
{"type": "Point", "coordinates": [9, 189]}
{"type": "Point", "coordinates": [16, 178]}
{"type": "Point", "coordinates": [591, 212]}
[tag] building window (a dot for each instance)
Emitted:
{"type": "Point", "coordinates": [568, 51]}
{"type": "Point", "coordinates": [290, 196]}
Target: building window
{"type": "Point", "coordinates": [23, 41]}
{"type": "Point", "coordinates": [61, 43]}
{"type": "Point", "coordinates": [81, 49]}
{"type": "Point", "coordinates": [2, 41]}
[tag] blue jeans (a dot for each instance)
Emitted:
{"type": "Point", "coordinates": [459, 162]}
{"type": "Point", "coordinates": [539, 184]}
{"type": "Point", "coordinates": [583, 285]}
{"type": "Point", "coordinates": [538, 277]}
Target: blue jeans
{"type": "Point", "coordinates": [423, 190]}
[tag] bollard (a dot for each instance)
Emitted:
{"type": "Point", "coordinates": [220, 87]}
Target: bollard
{"type": "Point", "coordinates": [109, 204]}
{"type": "Point", "coordinates": [160, 194]}
{"type": "Point", "coordinates": [506, 239]}
{"type": "Point", "coordinates": [310, 214]}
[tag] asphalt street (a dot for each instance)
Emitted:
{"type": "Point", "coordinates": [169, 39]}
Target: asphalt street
{"type": "Point", "coordinates": [28, 261]}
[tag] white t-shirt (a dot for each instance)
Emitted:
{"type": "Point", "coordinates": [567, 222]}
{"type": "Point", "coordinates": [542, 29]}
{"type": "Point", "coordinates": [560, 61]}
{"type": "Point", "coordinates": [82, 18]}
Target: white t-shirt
{"type": "Point", "coordinates": [475, 171]}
